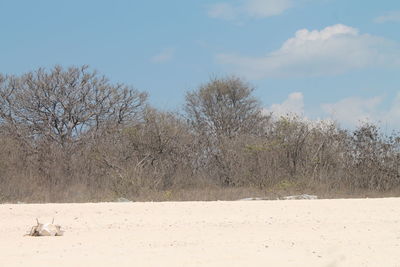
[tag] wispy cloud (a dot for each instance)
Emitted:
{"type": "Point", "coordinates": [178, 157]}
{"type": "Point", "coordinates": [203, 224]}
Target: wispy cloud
{"type": "Point", "coordinates": [349, 112]}
{"type": "Point", "coordinates": [222, 11]}
{"type": "Point", "coordinates": [164, 56]}
{"type": "Point", "coordinates": [249, 8]}
{"type": "Point", "coordinates": [266, 8]}
{"type": "Point", "coordinates": [334, 50]}
{"type": "Point", "coordinates": [393, 16]}
{"type": "Point", "coordinates": [293, 105]}
{"type": "Point", "coordinates": [353, 111]}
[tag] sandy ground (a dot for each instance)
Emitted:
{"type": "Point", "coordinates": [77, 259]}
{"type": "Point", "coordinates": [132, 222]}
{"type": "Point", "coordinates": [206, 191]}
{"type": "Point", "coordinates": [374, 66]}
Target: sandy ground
{"type": "Point", "coordinates": [242, 233]}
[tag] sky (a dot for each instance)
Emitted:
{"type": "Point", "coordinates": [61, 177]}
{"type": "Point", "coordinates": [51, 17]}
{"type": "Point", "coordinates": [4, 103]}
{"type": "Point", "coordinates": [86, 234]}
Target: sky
{"type": "Point", "coordinates": [321, 59]}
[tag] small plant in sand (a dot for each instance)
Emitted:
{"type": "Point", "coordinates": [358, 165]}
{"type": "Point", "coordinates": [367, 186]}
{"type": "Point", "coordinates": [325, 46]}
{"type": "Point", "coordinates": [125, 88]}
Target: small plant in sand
{"type": "Point", "coordinates": [45, 229]}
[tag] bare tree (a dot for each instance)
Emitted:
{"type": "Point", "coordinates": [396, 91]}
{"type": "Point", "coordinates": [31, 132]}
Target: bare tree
{"type": "Point", "coordinates": [224, 107]}
{"type": "Point", "coordinates": [61, 105]}
{"type": "Point", "coordinates": [220, 111]}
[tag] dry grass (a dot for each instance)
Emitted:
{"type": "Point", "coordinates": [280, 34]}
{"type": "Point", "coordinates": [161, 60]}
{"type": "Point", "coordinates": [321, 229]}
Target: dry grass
{"type": "Point", "coordinates": [222, 148]}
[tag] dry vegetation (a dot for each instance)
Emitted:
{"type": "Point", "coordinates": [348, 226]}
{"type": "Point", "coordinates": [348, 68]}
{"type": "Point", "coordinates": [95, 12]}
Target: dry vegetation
{"type": "Point", "coordinates": [71, 135]}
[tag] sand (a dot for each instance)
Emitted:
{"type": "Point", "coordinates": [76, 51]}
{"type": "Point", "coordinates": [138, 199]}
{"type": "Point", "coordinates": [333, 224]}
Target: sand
{"type": "Point", "coordinates": [354, 232]}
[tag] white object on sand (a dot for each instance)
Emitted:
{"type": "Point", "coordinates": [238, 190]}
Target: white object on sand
{"type": "Point", "coordinates": [304, 196]}
{"type": "Point", "coordinates": [46, 229]}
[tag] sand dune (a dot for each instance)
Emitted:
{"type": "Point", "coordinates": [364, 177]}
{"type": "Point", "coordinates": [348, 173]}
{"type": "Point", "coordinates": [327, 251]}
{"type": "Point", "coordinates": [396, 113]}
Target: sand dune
{"type": "Point", "coordinates": [358, 232]}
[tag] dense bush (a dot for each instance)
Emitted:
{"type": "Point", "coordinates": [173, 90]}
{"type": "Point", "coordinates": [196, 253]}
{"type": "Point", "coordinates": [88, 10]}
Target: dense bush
{"type": "Point", "coordinates": [71, 135]}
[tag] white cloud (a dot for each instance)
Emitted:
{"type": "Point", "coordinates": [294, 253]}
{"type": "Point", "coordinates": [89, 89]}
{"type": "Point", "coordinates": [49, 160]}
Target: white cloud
{"type": "Point", "coordinates": [354, 111]}
{"type": "Point", "coordinates": [349, 112]}
{"type": "Point", "coordinates": [249, 8]}
{"type": "Point", "coordinates": [222, 11]}
{"type": "Point", "coordinates": [293, 105]}
{"type": "Point", "coordinates": [393, 114]}
{"type": "Point", "coordinates": [266, 8]}
{"type": "Point", "coordinates": [393, 16]}
{"type": "Point", "coordinates": [334, 50]}
{"type": "Point", "coordinates": [164, 56]}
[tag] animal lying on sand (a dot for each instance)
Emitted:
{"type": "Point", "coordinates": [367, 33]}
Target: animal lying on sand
{"type": "Point", "coordinates": [45, 229]}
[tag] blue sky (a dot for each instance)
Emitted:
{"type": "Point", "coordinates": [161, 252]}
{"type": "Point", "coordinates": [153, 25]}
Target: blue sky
{"type": "Point", "coordinates": [337, 59]}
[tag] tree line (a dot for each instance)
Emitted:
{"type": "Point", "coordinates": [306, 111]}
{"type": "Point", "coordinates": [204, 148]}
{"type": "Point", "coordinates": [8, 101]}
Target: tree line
{"type": "Point", "coordinates": [69, 134]}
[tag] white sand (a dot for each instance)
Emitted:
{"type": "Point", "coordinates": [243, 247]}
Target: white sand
{"type": "Point", "coordinates": [242, 233]}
